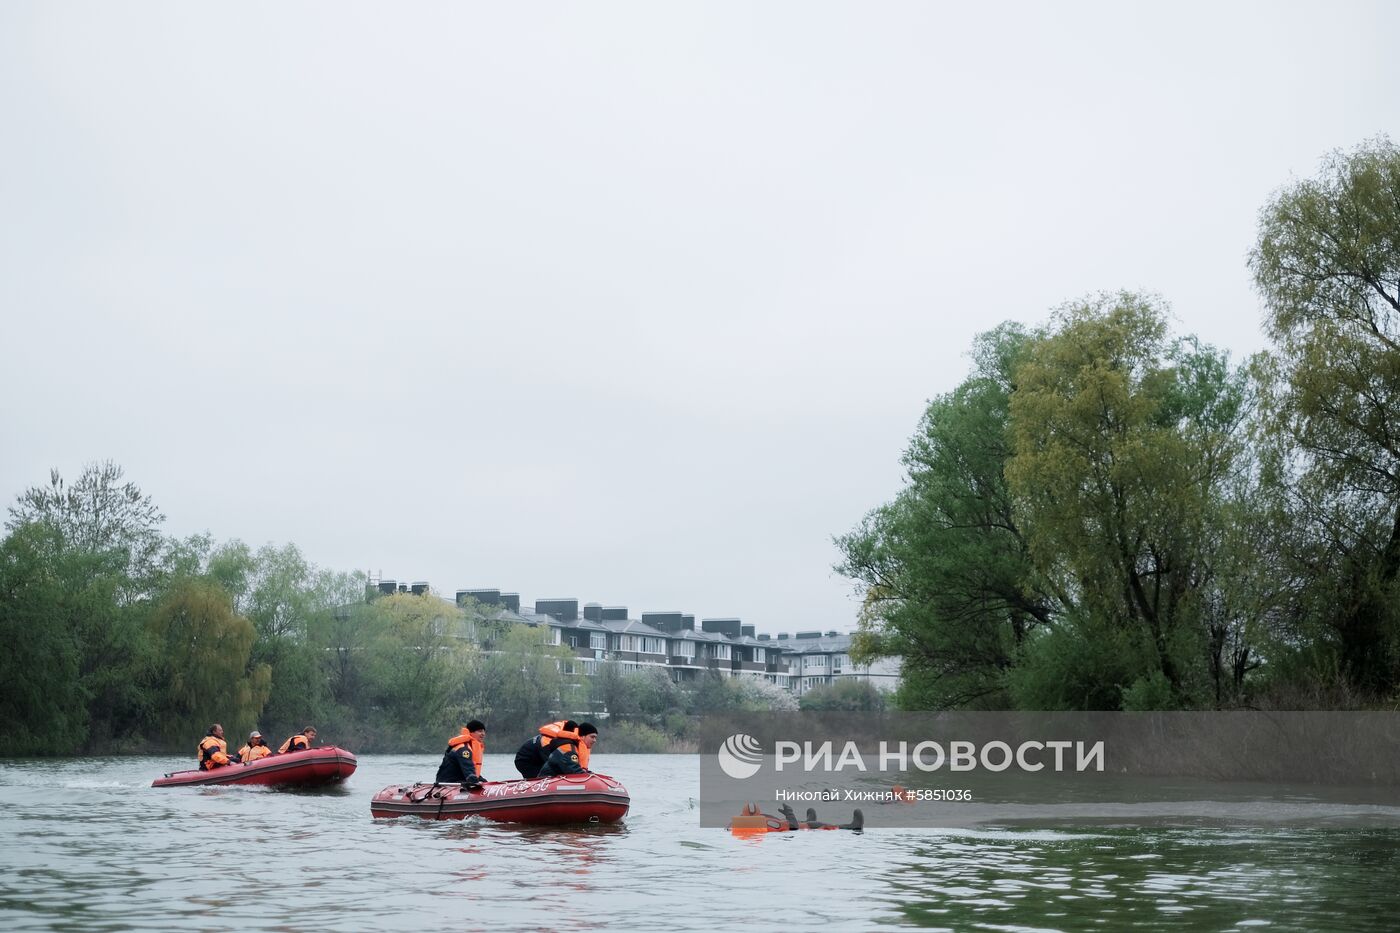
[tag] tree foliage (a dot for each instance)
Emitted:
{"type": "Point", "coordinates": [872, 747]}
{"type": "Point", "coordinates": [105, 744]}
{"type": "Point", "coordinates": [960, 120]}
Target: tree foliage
{"type": "Point", "coordinates": [1075, 529]}
{"type": "Point", "coordinates": [946, 568]}
{"type": "Point", "coordinates": [43, 703]}
{"type": "Point", "coordinates": [98, 514]}
{"type": "Point", "coordinates": [1327, 263]}
{"type": "Point", "coordinates": [1126, 446]}
{"type": "Point", "coordinates": [97, 543]}
{"type": "Point", "coordinates": [203, 673]}
{"type": "Point", "coordinates": [520, 681]}
{"type": "Point", "coordinates": [845, 696]}
{"type": "Point", "coordinates": [102, 660]}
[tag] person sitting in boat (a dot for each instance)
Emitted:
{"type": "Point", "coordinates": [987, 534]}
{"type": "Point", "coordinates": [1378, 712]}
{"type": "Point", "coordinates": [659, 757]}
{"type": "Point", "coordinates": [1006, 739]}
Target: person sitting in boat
{"type": "Point", "coordinates": [299, 742]}
{"type": "Point", "coordinates": [213, 750]}
{"type": "Point", "coordinates": [255, 749]}
{"type": "Point", "coordinates": [587, 738]}
{"type": "Point", "coordinates": [569, 755]}
{"type": "Point", "coordinates": [461, 763]}
{"type": "Point", "coordinates": [531, 756]}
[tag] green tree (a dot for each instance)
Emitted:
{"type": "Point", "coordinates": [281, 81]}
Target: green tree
{"type": "Point", "coordinates": [844, 696]}
{"type": "Point", "coordinates": [203, 674]}
{"type": "Point", "coordinates": [716, 693]}
{"type": "Point", "coordinates": [103, 548]}
{"type": "Point", "coordinates": [945, 569]}
{"type": "Point", "coordinates": [99, 514]}
{"type": "Point", "coordinates": [342, 637]}
{"type": "Point", "coordinates": [43, 706]}
{"type": "Point", "coordinates": [280, 592]}
{"type": "Point", "coordinates": [520, 682]}
{"type": "Point", "coordinates": [657, 695]}
{"type": "Point", "coordinates": [613, 692]}
{"type": "Point", "coordinates": [422, 660]}
{"type": "Point", "coordinates": [1126, 448]}
{"type": "Point", "coordinates": [1327, 263]}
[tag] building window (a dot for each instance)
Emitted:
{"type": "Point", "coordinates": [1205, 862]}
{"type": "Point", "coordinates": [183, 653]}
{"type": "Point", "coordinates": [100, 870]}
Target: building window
{"type": "Point", "coordinates": [654, 645]}
{"type": "Point", "coordinates": [722, 652]}
{"type": "Point", "coordinates": [598, 641]}
{"type": "Point", "coordinates": [684, 649]}
{"type": "Point", "coordinates": [758, 655]}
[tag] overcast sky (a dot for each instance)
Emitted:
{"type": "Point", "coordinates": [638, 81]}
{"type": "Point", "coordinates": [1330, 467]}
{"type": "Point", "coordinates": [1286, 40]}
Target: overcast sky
{"type": "Point", "coordinates": [635, 303]}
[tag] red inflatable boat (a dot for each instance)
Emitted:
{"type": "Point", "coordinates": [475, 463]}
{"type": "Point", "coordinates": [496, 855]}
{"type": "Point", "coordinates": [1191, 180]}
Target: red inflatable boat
{"type": "Point", "coordinates": [311, 768]}
{"type": "Point", "coordinates": [569, 798]}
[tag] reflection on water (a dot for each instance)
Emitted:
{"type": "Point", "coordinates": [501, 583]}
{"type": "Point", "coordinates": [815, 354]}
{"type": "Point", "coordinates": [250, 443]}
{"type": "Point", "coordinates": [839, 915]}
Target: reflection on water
{"type": "Point", "coordinates": [1195, 879]}
{"type": "Point", "coordinates": [90, 846]}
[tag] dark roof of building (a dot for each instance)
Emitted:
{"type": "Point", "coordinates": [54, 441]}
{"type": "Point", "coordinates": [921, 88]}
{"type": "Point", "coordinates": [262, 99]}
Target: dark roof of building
{"type": "Point", "coordinates": [632, 627]}
{"type": "Point", "coordinates": [827, 644]}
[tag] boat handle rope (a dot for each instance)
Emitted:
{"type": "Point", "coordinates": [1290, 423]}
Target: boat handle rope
{"type": "Point", "coordinates": [423, 796]}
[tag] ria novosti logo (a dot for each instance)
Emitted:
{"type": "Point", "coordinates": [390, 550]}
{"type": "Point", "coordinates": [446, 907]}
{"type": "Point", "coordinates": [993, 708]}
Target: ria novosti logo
{"type": "Point", "coordinates": [740, 756]}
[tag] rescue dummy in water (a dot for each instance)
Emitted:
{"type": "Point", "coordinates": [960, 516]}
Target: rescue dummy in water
{"type": "Point", "coordinates": [752, 820]}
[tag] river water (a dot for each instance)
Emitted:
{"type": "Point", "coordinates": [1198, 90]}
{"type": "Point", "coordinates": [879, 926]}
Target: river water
{"type": "Point", "coordinates": [89, 845]}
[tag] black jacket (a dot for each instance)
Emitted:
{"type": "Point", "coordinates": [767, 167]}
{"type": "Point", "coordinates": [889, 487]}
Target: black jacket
{"type": "Point", "coordinates": [457, 766]}
{"type": "Point", "coordinates": [531, 757]}
{"type": "Point", "coordinates": [563, 760]}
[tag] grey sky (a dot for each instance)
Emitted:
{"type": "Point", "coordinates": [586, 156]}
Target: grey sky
{"type": "Point", "coordinates": [637, 303]}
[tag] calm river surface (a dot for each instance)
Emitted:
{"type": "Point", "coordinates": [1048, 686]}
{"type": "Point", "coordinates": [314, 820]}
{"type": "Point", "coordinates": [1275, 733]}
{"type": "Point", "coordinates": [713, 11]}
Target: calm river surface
{"type": "Point", "coordinates": [89, 845]}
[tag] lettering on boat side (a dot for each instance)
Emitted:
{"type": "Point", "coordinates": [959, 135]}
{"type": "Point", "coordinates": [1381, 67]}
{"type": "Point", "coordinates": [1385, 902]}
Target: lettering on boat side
{"type": "Point", "coordinates": [516, 788]}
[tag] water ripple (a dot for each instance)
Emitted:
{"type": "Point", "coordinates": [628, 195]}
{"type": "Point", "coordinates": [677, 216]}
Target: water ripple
{"type": "Point", "coordinates": [85, 849]}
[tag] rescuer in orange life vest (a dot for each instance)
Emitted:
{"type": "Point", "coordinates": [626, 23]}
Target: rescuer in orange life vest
{"type": "Point", "coordinates": [299, 742]}
{"type": "Point", "coordinates": [461, 763]}
{"type": "Point", "coordinates": [570, 755]}
{"type": "Point", "coordinates": [255, 749]}
{"type": "Point", "coordinates": [531, 756]}
{"type": "Point", "coordinates": [213, 750]}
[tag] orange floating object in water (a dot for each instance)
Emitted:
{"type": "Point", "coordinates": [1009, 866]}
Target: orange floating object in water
{"type": "Point", "coordinates": [751, 821]}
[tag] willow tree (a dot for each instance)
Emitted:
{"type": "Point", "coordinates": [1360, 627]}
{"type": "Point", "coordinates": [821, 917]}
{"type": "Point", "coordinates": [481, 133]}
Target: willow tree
{"type": "Point", "coordinates": [284, 595]}
{"type": "Point", "coordinates": [103, 550]}
{"type": "Point", "coordinates": [522, 679]}
{"type": "Point", "coordinates": [1125, 446]}
{"type": "Point", "coordinates": [43, 705]}
{"type": "Point", "coordinates": [1327, 263]}
{"type": "Point", "coordinates": [419, 660]}
{"type": "Point", "coordinates": [203, 674]}
{"type": "Point", "coordinates": [945, 569]}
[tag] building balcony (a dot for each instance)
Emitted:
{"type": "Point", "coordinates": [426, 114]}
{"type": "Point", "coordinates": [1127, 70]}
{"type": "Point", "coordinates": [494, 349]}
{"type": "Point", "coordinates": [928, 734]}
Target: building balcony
{"type": "Point", "coordinates": [637, 657]}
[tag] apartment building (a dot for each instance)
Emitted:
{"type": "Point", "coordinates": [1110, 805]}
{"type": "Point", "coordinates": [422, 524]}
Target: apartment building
{"type": "Point", "coordinates": [670, 641]}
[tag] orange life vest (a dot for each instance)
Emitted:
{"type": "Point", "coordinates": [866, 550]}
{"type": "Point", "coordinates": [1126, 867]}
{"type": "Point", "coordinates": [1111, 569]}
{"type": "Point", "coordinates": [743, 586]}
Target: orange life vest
{"type": "Point", "coordinates": [292, 745]}
{"type": "Point", "coordinates": [478, 747]}
{"type": "Point", "coordinates": [213, 752]}
{"type": "Point", "coordinates": [251, 753]}
{"type": "Point", "coordinates": [555, 736]}
{"type": "Point", "coordinates": [583, 753]}
{"type": "Point", "coordinates": [554, 730]}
